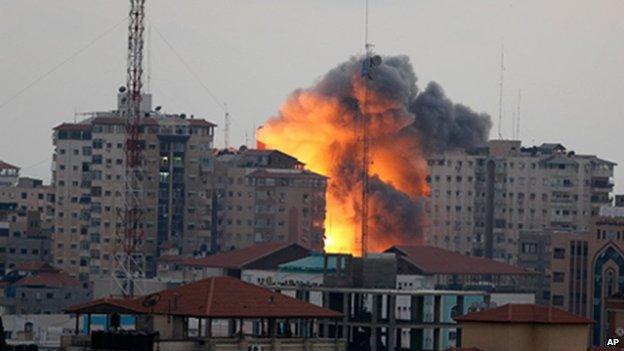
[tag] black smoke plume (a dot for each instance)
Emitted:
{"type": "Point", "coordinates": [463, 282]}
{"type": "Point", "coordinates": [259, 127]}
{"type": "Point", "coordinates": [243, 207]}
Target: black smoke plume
{"type": "Point", "coordinates": [406, 126]}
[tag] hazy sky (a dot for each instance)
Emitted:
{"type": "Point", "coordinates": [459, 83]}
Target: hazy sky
{"type": "Point", "coordinates": [567, 56]}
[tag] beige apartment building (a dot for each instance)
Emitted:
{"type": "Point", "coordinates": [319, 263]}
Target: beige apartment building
{"type": "Point", "coordinates": [89, 180]}
{"type": "Point", "coordinates": [26, 220]}
{"type": "Point", "coordinates": [481, 199]}
{"type": "Point", "coordinates": [268, 196]}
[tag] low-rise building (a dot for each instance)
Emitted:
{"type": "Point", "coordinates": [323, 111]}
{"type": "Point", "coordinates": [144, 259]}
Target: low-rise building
{"type": "Point", "coordinates": [8, 174]}
{"type": "Point", "coordinates": [260, 257]}
{"type": "Point", "coordinates": [404, 298]}
{"type": "Point", "coordinates": [524, 327]}
{"type": "Point", "coordinates": [42, 330]}
{"type": "Point", "coordinates": [255, 318]}
{"type": "Point", "coordinates": [38, 288]}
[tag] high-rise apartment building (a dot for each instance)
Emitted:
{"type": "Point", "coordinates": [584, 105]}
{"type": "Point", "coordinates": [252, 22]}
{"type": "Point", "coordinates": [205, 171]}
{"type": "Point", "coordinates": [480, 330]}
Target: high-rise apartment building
{"type": "Point", "coordinates": [481, 199]}
{"type": "Point", "coordinates": [89, 180]}
{"type": "Point", "coordinates": [268, 196]}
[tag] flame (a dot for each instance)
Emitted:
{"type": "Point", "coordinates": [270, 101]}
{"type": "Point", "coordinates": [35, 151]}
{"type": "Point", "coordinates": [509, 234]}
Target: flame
{"type": "Point", "coordinates": [324, 131]}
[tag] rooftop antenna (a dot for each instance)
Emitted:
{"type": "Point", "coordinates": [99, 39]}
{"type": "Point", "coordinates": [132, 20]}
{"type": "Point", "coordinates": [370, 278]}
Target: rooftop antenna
{"type": "Point", "coordinates": [226, 127]}
{"type": "Point", "coordinates": [149, 56]}
{"type": "Point", "coordinates": [129, 261]}
{"type": "Point", "coordinates": [500, 92]}
{"type": "Point", "coordinates": [518, 114]}
{"type": "Point", "coordinates": [370, 61]}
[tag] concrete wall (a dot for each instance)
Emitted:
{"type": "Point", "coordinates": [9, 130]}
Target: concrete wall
{"type": "Point", "coordinates": [228, 344]}
{"type": "Point", "coordinates": [47, 300]}
{"type": "Point", "coordinates": [524, 337]}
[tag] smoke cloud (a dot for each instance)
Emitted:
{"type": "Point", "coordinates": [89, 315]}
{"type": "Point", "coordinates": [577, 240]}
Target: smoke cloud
{"type": "Point", "coordinates": [322, 126]}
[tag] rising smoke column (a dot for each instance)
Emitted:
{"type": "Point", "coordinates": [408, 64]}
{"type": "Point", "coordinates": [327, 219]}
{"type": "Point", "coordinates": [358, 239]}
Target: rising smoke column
{"type": "Point", "coordinates": [321, 126]}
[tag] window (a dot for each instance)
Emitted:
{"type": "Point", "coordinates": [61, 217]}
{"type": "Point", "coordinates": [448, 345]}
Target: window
{"type": "Point", "coordinates": [559, 253]}
{"type": "Point", "coordinates": [557, 300]}
{"type": "Point", "coordinates": [558, 277]}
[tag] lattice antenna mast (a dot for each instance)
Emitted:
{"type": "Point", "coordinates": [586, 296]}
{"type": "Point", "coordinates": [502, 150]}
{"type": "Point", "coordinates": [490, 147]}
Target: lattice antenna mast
{"type": "Point", "coordinates": [369, 63]}
{"type": "Point", "coordinates": [226, 127]}
{"type": "Point", "coordinates": [129, 258]}
{"type": "Point", "coordinates": [518, 115]}
{"type": "Point", "coordinates": [500, 92]}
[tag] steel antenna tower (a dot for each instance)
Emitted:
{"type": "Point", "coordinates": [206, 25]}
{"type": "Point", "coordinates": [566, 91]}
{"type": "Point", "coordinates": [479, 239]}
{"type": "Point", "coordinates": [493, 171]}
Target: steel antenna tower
{"type": "Point", "coordinates": [129, 259]}
{"type": "Point", "coordinates": [370, 61]}
{"type": "Point", "coordinates": [500, 92]}
{"type": "Point", "coordinates": [226, 128]}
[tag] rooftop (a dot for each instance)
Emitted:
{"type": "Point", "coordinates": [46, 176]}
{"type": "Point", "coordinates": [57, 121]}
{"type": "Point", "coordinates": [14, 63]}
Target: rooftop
{"type": "Point", "coordinates": [238, 259]}
{"type": "Point", "coordinates": [315, 263]}
{"type": "Point", "coordinates": [35, 266]}
{"type": "Point", "coordinates": [524, 313]}
{"type": "Point", "coordinates": [431, 260]}
{"type": "Point", "coordinates": [54, 279]}
{"type": "Point", "coordinates": [283, 173]}
{"type": "Point", "coordinates": [5, 165]}
{"type": "Point", "coordinates": [217, 297]}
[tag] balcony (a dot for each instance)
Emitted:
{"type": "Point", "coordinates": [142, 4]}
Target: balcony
{"type": "Point", "coordinates": [601, 199]}
{"type": "Point", "coordinates": [602, 184]}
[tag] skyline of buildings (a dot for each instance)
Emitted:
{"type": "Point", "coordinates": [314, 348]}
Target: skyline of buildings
{"type": "Point", "coordinates": [519, 205]}
{"type": "Point", "coordinates": [195, 199]}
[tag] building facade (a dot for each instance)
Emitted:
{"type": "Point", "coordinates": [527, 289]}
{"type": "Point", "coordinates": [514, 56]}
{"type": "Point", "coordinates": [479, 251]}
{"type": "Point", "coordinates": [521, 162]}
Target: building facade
{"type": "Point", "coordinates": [39, 288]}
{"type": "Point", "coordinates": [26, 222]}
{"type": "Point", "coordinates": [268, 196]}
{"type": "Point", "coordinates": [481, 199]}
{"type": "Point", "coordinates": [89, 180]}
{"type": "Point", "coordinates": [587, 269]}
{"type": "Point", "coordinates": [534, 253]}
{"type": "Point", "coordinates": [524, 327]}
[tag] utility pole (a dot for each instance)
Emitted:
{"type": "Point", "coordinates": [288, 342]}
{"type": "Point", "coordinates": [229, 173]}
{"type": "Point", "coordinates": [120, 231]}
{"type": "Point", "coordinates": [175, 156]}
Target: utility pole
{"type": "Point", "coordinates": [129, 259]}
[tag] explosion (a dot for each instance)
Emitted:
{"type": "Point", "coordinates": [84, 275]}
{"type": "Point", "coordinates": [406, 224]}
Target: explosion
{"type": "Point", "coordinates": [322, 127]}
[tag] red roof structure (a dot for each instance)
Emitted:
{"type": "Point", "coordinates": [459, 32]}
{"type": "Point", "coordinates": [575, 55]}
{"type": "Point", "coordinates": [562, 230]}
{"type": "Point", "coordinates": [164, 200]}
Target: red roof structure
{"type": "Point", "coordinates": [238, 259]}
{"type": "Point", "coordinates": [6, 165]}
{"type": "Point", "coordinates": [524, 313]}
{"type": "Point", "coordinates": [173, 259]}
{"type": "Point", "coordinates": [433, 260]}
{"type": "Point", "coordinates": [217, 297]}
{"type": "Point", "coordinates": [73, 126]}
{"type": "Point", "coordinates": [49, 279]}
{"type": "Point", "coordinates": [35, 266]}
{"type": "Point", "coordinates": [200, 123]}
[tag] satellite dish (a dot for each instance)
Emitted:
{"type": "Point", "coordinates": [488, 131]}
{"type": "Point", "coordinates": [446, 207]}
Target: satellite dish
{"type": "Point", "coordinates": [122, 89]}
{"type": "Point", "coordinates": [158, 108]}
{"type": "Point", "coordinates": [151, 300]}
{"type": "Point", "coordinates": [375, 60]}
